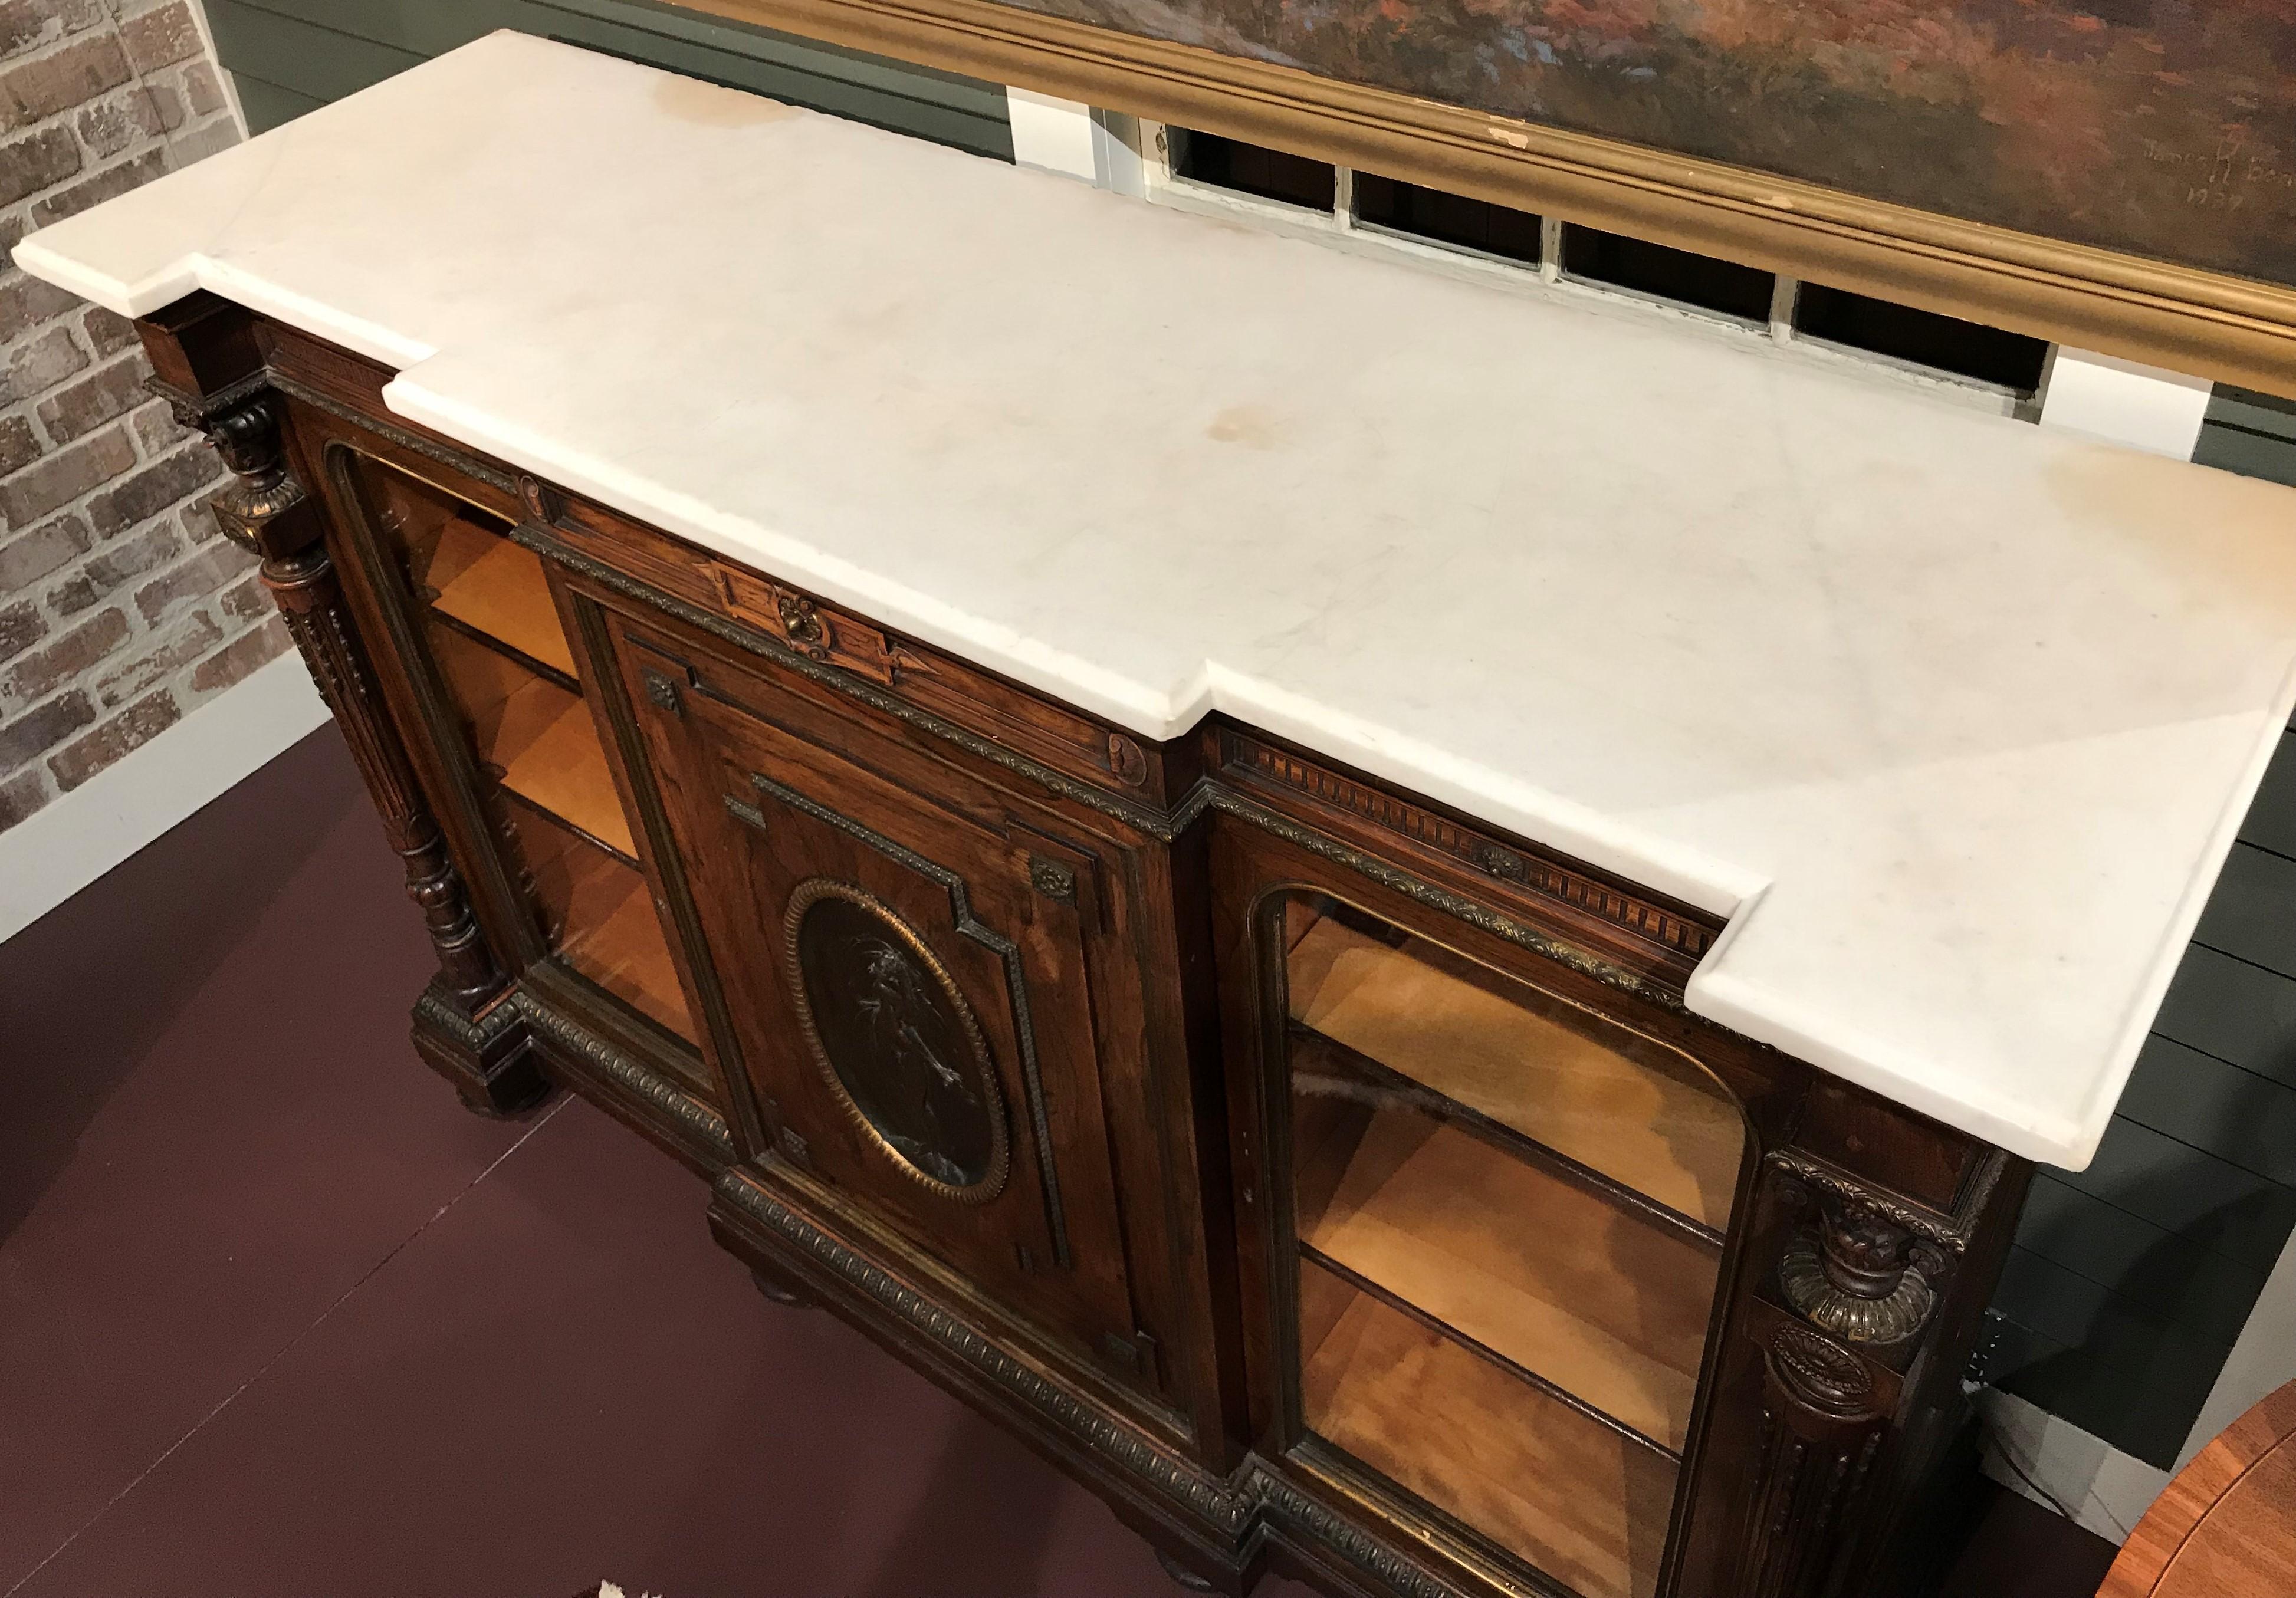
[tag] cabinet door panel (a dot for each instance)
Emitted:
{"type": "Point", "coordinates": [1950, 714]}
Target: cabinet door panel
{"type": "Point", "coordinates": [465, 625]}
{"type": "Point", "coordinates": [1497, 1197]}
{"type": "Point", "coordinates": [906, 955]}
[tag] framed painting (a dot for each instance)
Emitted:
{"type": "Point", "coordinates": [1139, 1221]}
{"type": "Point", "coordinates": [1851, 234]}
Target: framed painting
{"type": "Point", "coordinates": [2118, 175]}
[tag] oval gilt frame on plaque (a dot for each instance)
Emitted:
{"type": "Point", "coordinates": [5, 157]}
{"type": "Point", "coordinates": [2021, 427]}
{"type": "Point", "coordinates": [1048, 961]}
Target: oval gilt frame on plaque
{"type": "Point", "coordinates": [894, 1039]}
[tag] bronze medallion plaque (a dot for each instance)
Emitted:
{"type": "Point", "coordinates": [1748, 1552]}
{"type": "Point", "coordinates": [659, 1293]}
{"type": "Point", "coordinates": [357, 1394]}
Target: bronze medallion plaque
{"type": "Point", "coordinates": [896, 1041]}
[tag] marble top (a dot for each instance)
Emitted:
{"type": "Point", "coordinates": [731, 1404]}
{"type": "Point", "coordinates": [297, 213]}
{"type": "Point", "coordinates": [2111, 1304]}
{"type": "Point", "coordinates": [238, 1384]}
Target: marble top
{"type": "Point", "coordinates": [1953, 717]}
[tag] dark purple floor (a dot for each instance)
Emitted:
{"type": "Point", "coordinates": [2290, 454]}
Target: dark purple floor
{"type": "Point", "coordinates": [277, 1317]}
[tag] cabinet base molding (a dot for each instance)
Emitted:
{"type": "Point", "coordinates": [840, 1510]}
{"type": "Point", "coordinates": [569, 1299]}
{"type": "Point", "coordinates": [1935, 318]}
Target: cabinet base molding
{"type": "Point", "coordinates": [491, 1059]}
{"type": "Point", "coordinates": [1185, 1579]}
{"type": "Point", "coordinates": [644, 1096]}
{"type": "Point", "coordinates": [763, 1229]}
{"type": "Point", "coordinates": [1229, 1527]}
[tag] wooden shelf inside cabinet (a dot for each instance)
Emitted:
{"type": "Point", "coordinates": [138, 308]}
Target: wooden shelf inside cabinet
{"type": "Point", "coordinates": [1547, 1273]}
{"type": "Point", "coordinates": [536, 739]}
{"type": "Point", "coordinates": [1510, 1462]}
{"type": "Point", "coordinates": [562, 769]}
{"type": "Point", "coordinates": [600, 914]}
{"type": "Point", "coordinates": [1593, 1091]}
{"type": "Point", "coordinates": [1347, 1073]}
{"type": "Point", "coordinates": [496, 588]}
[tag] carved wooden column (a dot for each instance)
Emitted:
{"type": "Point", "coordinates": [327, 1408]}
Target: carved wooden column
{"type": "Point", "coordinates": [1821, 1428]}
{"type": "Point", "coordinates": [1853, 1289]}
{"type": "Point", "coordinates": [463, 1026]}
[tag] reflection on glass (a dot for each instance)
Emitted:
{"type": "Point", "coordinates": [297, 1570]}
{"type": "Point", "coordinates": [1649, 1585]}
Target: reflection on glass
{"type": "Point", "coordinates": [597, 913]}
{"type": "Point", "coordinates": [1509, 1213]}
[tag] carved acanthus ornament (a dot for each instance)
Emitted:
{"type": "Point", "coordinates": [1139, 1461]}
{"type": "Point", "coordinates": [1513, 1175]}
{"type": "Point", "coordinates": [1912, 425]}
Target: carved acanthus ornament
{"type": "Point", "coordinates": [1854, 1267]}
{"type": "Point", "coordinates": [262, 490]}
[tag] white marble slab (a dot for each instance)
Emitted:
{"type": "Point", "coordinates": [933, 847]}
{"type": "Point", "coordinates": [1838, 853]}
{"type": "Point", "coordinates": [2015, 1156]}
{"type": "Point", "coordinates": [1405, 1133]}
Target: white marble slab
{"type": "Point", "coordinates": [1954, 719]}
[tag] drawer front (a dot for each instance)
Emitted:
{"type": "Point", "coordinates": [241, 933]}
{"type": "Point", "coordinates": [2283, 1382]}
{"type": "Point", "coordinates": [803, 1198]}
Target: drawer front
{"type": "Point", "coordinates": [907, 955]}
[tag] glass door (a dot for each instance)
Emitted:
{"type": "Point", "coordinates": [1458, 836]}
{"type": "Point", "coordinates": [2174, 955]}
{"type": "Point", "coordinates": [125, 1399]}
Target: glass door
{"type": "Point", "coordinates": [1509, 1213]}
{"type": "Point", "coordinates": [483, 608]}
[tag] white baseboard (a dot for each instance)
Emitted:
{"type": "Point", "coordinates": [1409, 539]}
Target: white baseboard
{"type": "Point", "coordinates": [78, 836]}
{"type": "Point", "coordinates": [1071, 138]}
{"type": "Point", "coordinates": [2058, 1466]}
{"type": "Point", "coordinates": [2108, 1491]}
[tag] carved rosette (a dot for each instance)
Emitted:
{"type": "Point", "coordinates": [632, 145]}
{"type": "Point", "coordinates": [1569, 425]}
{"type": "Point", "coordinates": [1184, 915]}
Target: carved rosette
{"type": "Point", "coordinates": [802, 624]}
{"type": "Point", "coordinates": [1051, 879]}
{"type": "Point", "coordinates": [1855, 1270]}
{"type": "Point", "coordinates": [662, 693]}
{"type": "Point", "coordinates": [1821, 1429]}
{"type": "Point", "coordinates": [265, 509]}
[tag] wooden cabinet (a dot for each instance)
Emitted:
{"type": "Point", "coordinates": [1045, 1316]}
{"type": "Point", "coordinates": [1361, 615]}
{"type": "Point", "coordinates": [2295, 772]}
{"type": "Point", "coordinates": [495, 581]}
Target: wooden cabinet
{"type": "Point", "coordinates": [1330, 1180]}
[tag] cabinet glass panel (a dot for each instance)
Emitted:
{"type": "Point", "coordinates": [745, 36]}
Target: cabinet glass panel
{"type": "Point", "coordinates": [485, 610]}
{"type": "Point", "coordinates": [595, 911]}
{"type": "Point", "coordinates": [1510, 1211]}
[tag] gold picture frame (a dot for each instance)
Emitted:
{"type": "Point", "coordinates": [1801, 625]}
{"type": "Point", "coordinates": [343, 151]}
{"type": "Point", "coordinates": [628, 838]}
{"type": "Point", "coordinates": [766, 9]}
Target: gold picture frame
{"type": "Point", "coordinates": [2207, 322]}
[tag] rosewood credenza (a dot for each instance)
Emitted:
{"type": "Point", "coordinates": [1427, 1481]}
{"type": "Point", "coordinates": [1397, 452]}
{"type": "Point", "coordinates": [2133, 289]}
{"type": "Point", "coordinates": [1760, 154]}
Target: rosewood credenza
{"type": "Point", "coordinates": [1425, 932]}
{"type": "Point", "coordinates": [1323, 1176]}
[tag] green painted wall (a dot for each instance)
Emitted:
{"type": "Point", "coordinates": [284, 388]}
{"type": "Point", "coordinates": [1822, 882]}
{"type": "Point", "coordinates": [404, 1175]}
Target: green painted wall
{"type": "Point", "coordinates": [289, 56]}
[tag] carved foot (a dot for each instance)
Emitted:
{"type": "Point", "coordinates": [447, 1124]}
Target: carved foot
{"type": "Point", "coordinates": [777, 1291]}
{"type": "Point", "coordinates": [490, 1060]}
{"type": "Point", "coordinates": [510, 1097]}
{"type": "Point", "coordinates": [1184, 1578]}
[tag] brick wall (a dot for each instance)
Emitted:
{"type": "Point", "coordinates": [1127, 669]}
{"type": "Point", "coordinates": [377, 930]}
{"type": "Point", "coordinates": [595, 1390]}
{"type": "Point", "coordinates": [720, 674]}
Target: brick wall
{"type": "Point", "coordinates": [120, 606]}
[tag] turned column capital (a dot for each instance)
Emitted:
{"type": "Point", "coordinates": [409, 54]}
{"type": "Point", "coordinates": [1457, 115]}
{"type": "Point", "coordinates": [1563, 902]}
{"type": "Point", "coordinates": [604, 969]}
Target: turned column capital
{"type": "Point", "coordinates": [264, 507]}
{"type": "Point", "coordinates": [1858, 1264]}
